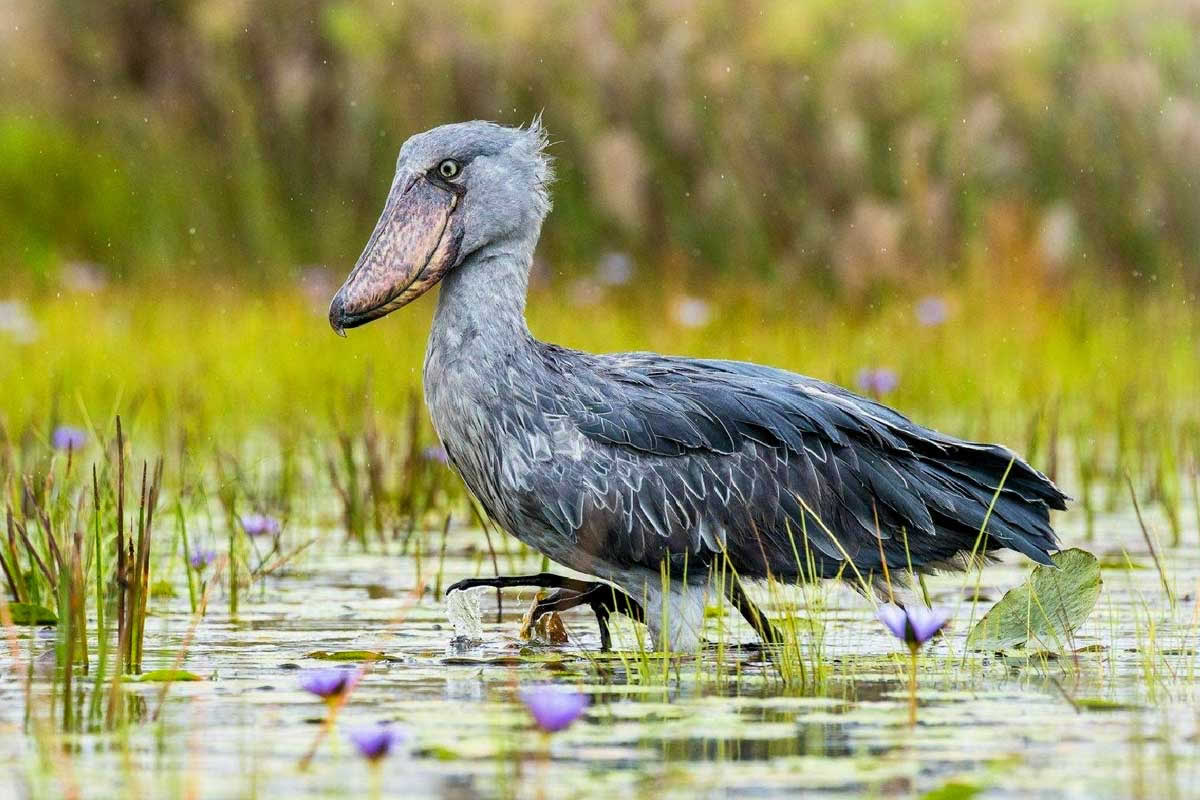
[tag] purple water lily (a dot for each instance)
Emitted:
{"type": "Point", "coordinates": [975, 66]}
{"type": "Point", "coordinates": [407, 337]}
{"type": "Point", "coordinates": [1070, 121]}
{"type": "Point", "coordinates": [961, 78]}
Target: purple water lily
{"type": "Point", "coordinates": [931, 311]}
{"type": "Point", "coordinates": [260, 525]}
{"type": "Point", "coordinates": [878, 381]}
{"type": "Point", "coordinates": [914, 625]}
{"type": "Point", "coordinates": [553, 708]}
{"type": "Point", "coordinates": [66, 437]}
{"type": "Point", "coordinates": [377, 741]}
{"type": "Point", "coordinates": [615, 269]}
{"type": "Point", "coordinates": [327, 683]}
{"type": "Point", "coordinates": [202, 558]}
{"type": "Point", "coordinates": [435, 454]}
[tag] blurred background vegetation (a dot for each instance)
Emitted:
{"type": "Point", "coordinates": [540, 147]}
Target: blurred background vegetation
{"type": "Point", "coordinates": [847, 145]}
{"type": "Point", "coordinates": [988, 212]}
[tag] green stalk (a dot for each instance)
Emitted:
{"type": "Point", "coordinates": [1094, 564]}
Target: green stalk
{"type": "Point", "coordinates": [99, 559]}
{"type": "Point", "coordinates": [233, 565]}
{"type": "Point", "coordinates": [912, 685]}
{"type": "Point", "coordinates": [437, 579]}
{"type": "Point", "coordinates": [187, 554]}
{"type": "Point", "coordinates": [123, 584]}
{"type": "Point", "coordinates": [65, 645]}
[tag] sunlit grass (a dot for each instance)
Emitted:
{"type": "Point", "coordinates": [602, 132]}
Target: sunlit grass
{"type": "Point", "coordinates": [218, 363]}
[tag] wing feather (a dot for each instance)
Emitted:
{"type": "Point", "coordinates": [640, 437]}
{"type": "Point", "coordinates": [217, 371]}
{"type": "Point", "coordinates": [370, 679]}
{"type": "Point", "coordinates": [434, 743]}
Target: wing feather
{"type": "Point", "coordinates": [727, 457]}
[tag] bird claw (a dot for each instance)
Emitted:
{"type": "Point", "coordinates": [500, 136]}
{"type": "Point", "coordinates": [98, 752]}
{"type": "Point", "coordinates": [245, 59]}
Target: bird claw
{"type": "Point", "coordinates": [463, 585]}
{"type": "Point", "coordinates": [604, 598]}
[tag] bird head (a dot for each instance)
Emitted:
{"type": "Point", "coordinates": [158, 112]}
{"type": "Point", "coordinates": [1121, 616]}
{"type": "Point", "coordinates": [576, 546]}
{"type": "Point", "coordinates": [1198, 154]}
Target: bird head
{"type": "Point", "coordinates": [457, 190]}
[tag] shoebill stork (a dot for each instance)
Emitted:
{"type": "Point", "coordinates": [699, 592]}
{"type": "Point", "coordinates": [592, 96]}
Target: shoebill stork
{"type": "Point", "coordinates": [656, 473]}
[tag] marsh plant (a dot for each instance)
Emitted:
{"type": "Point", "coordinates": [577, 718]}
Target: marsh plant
{"type": "Point", "coordinates": [914, 625]}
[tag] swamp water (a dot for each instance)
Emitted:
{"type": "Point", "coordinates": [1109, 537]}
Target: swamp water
{"type": "Point", "coordinates": [1114, 718]}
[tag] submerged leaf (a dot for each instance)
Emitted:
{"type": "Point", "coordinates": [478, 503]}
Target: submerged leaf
{"type": "Point", "coordinates": [31, 614]}
{"type": "Point", "coordinates": [1045, 609]}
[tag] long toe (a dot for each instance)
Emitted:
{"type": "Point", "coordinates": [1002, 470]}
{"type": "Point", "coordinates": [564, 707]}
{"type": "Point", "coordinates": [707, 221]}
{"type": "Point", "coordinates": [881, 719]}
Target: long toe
{"type": "Point", "coordinates": [468, 583]}
{"type": "Point", "coordinates": [558, 600]}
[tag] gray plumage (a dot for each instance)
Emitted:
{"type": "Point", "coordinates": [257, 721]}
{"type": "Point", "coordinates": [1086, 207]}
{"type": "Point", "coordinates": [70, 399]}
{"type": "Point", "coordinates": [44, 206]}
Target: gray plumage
{"type": "Point", "coordinates": [613, 465]}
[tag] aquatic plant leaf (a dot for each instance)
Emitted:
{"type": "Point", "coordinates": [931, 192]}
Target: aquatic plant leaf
{"type": "Point", "coordinates": [162, 589]}
{"type": "Point", "coordinates": [441, 753]}
{"type": "Point", "coordinates": [31, 614]}
{"type": "Point", "coordinates": [1103, 704]}
{"type": "Point", "coordinates": [165, 676]}
{"type": "Point", "coordinates": [1044, 610]}
{"type": "Point", "coordinates": [349, 655]}
{"type": "Point", "coordinates": [953, 790]}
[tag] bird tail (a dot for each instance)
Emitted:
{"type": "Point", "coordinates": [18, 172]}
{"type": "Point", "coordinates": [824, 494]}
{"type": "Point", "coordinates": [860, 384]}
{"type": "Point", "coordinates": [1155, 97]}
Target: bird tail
{"type": "Point", "coordinates": [973, 488]}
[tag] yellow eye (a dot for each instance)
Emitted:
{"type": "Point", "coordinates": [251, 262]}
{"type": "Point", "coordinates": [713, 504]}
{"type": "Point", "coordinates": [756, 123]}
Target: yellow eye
{"type": "Point", "coordinates": [448, 168]}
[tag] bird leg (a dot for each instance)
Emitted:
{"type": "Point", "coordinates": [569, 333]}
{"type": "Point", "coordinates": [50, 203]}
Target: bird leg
{"type": "Point", "coordinates": [757, 619]}
{"type": "Point", "coordinates": [604, 598]}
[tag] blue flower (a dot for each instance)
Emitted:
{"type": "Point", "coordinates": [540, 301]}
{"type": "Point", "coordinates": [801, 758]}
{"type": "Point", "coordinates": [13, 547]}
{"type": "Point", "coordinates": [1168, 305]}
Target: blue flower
{"type": "Point", "coordinates": [931, 311]}
{"type": "Point", "coordinates": [615, 269]}
{"type": "Point", "coordinates": [67, 438]}
{"type": "Point", "coordinates": [914, 625]}
{"type": "Point", "coordinates": [201, 559]}
{"type": "Point", "coordinates": [327, 683]}
{"type": "Point", "coordinates": [260, 525]}
{"type": "Point", "coordinates": [878, 381]}
{"type": "Point", "coordinates": [377, 741]}
{"type": "Point", "coordinates": [553, 709]}
{"type": "Point", "coordinates": [435, 454]}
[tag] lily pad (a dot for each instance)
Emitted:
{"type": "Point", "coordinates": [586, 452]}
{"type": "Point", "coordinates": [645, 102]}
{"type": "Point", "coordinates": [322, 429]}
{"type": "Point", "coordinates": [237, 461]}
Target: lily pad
{"type": "Point", "coordinates": [954, 790]}
{"type": "Point", "coordinates": [165, 676]}
{"type": "Point", "coordinates": [1044, 610]}
{"type": "Point", "coordinates": [441, 753]}
{"type": "Point", "coordinates": [350, 655]}
{"type": "Point", "coordinates": [1103, 704]}
{"type": "Point", "coordinates": [31, 614]}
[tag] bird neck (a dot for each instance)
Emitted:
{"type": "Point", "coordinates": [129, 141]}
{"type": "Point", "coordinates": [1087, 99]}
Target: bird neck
{"type": "Point", "coordinates": [483, 298]}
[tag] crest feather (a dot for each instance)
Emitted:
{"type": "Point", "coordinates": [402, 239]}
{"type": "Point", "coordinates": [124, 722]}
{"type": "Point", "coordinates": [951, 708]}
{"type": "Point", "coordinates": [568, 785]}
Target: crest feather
{"type": "Point", "coordinates": [536, 141]}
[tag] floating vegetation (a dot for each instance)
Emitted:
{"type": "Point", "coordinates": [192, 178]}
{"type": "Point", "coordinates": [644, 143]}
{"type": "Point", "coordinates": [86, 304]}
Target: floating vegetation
{"type": "Point", "coordinates": [348, 655]}
{"type": "Point", "coordinates": [1046, 610]}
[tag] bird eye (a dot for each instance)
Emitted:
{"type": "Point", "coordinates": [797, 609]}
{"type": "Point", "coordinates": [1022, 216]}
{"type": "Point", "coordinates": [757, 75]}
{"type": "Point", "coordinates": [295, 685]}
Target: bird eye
{"type": "Point", "coordinates": [448, 168]}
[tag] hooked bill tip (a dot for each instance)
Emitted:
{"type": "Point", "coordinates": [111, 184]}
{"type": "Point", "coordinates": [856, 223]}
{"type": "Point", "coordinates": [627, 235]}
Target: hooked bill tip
{"type": "Point", "coordinates": [336, 314]}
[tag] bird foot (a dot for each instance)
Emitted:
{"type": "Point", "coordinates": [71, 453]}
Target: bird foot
{"type": "Point", "coordinates": [603, 598]}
